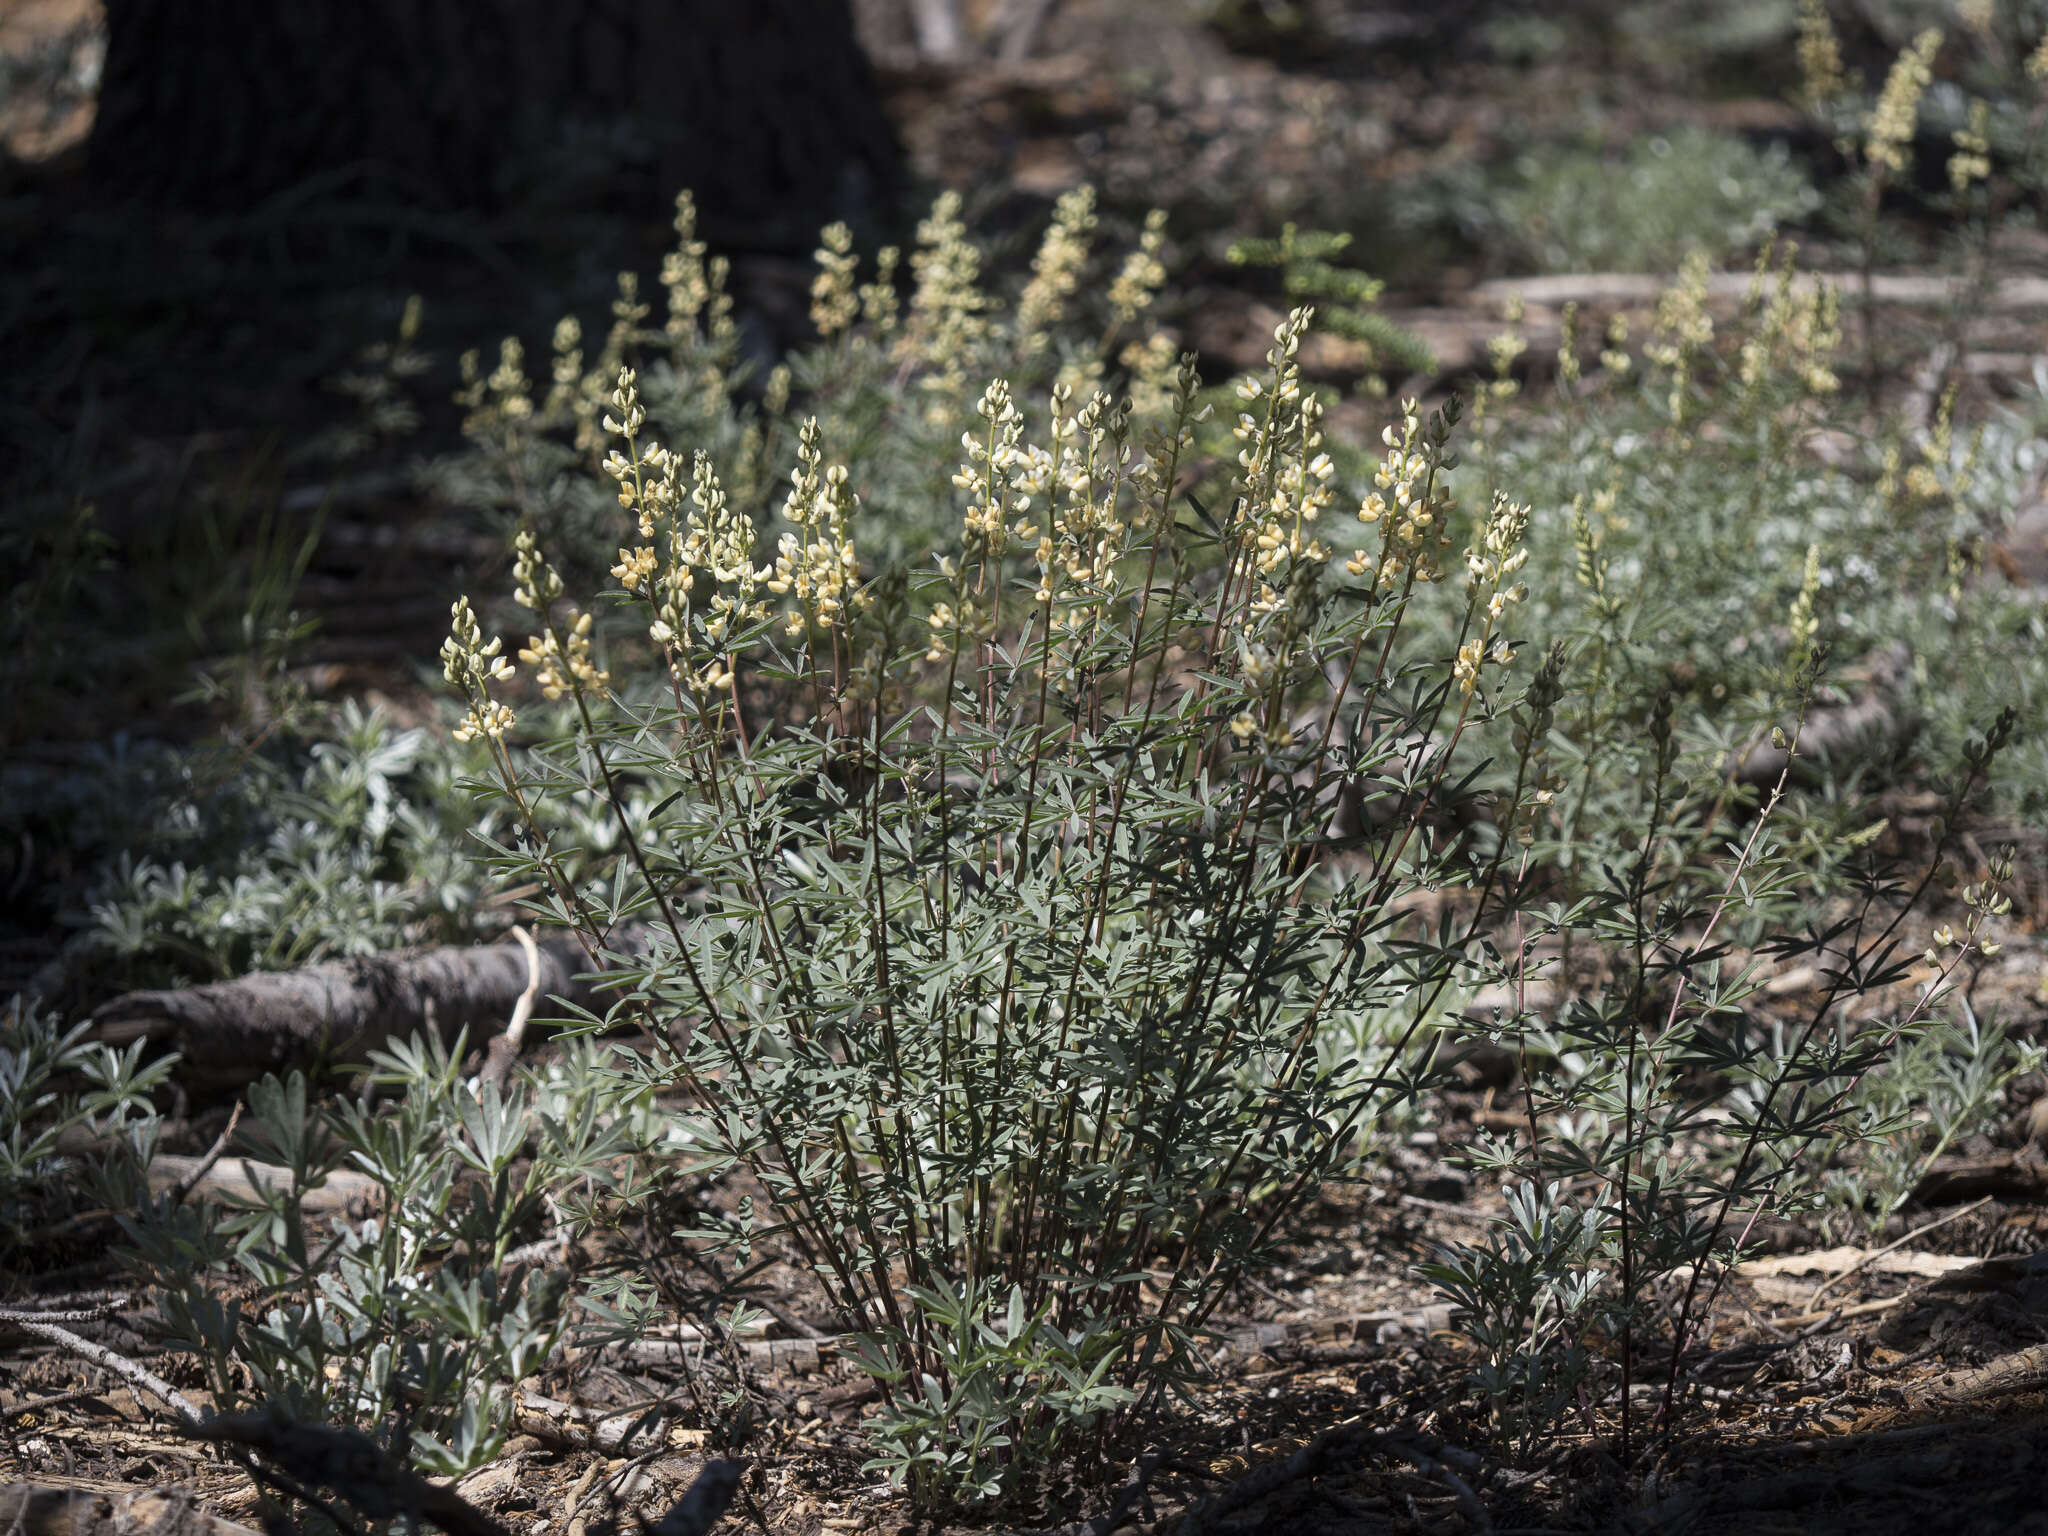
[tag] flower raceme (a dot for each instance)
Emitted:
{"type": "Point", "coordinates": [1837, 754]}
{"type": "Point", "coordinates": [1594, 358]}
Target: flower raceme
{"type": "Point", "coordinates": [472, 665]}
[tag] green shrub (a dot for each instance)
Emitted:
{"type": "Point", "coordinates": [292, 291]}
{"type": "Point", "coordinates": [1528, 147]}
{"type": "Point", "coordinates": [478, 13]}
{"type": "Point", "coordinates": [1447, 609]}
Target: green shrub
{"type": "Point", "coordinates": [1013, 906]}
{"type": "Point", "coordinates": [1576, 210]}
{"type": "Point", "coordinates": [410, 1321]}
{"type": "Point", "coordinates": [54, 1084]}
{"type": "Point", "coordinates": [994, 934]}
{"type": "Point", "coordinates": [346, 837]}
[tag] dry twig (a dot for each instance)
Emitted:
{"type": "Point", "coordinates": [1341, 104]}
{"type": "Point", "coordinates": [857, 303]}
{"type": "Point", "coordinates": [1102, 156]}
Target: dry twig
{"type": "Point", "coordinates": [1877, 1253]}
{"type": "Point", "coordinates": [179, 1191]}
{"type": "Point", "coordinates": [107, 1360]}
{"type": "Point", "coordinates": [504, 1049]}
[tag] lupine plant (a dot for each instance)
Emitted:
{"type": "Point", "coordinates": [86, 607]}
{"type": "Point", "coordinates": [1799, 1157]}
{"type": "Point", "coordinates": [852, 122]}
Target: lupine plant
{"type": "Point", "coordinates": [1006, 903]}
{"type": "Point", "coordinates": [996, 906]}
{"type": "Point", "coordinates": [54, 1083]}
{"type": "Point", "coordinates": [408, 1319]}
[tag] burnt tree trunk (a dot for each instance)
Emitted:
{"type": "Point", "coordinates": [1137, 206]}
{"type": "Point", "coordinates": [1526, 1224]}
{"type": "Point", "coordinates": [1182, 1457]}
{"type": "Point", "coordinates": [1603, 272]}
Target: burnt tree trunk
{"type": "Point", "coordinates": [766, 110]}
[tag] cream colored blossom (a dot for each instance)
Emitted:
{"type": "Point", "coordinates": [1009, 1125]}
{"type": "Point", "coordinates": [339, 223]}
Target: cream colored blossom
{"type": "Point", "coordinates": [565, 370]}
{"type": "Point", "coordinates": [472, 664]}
{"type": "Point", "coordinates": [1465, 670]}
{"type": "Point", "coordinates": [1972, 160]}
{"type": "Point", "coordinates": [716, 541]}
{"type": "Point", "coordinates": [561, 660]}
{"type": "Point", "coordinates": [1684, 330]}
{"type": "Point", "coordinates": [1497, 553]}
{"type": "Point", "coordinates": [1898, 104]}
{"type": "Point", "coordinates": [1284, 480]}
{"type": "Point", "coordinates": [1821, 77]}
{"type": "Point", "coordinates": [999, 474]}
{"type": "Point", "coordinates": [1568, 348]}
{"type": "Point", "coordinates": [817, 563]}
{"type": "Point", "coordinates": [878, 301]}
{"type": "Point", "coordinates": [1153, 365]}
{"type": "Point", "coordinates": [1408, 507]}
{"type": "Point", "coordinates": [509, 385]}
{"type": "Point", "coordinates": [1803, 623]}
{"type": "Point", "coordinates": [1614, 356]}
{"type": "Point", "coordinates": [1143, 275]}
{"type": "Point", "coordinates": [1055, 270]}
{"type": "Point", "coordinates": [634, 567]}
{"type": "Point", "coordinates": [684, 272]}
{"type": "Point", "coordinates": [948, 310]}
{"type": "Point", "coordinates": [536, 583]}
{"type": "Point", "coordinates": [1797, 330]}
{"type": "Point", "coordinates": [835, 304]}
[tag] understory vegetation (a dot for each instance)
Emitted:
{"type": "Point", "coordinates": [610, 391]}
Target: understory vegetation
{"type": "Point", "coordinates": [1045, 810]}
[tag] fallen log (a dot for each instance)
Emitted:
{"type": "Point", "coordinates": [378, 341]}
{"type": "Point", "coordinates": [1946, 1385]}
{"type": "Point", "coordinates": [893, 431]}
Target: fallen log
{"type": "Point", "coordinates": [1907, 290]}
{"type": "Point", "coordinates": [229, 1033]}
{"type": "Point", "coordinates": [2023, 1370]}
{"type": "Point", "coordinates": [2005, 1175]}
{"type": "Point", "coordinates": [244, 1181]}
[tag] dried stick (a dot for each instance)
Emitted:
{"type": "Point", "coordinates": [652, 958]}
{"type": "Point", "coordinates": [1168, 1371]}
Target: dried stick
{"type": "Point", "coordinates": [69, 1315]}
{"type": "Point", "coordinates": [107, 1360]}
{"type": "Point", "coordinates": [44, 1404]}
{"type": "Point", "coordinates": [504, 1049]}
{"type": "Point", "coordinates": [199, 1170]}
{"type": "Point", "coordinates": [1877, 1253]}
{"type": "Point", "coordinates": [2021, 1371]}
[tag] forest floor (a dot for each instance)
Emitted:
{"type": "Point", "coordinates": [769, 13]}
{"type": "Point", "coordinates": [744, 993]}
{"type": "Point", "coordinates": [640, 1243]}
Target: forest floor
{"type": "Point", "coordinates": [1852, 1391]}
{"type": "Point", "coordinates": [1907, 1394]}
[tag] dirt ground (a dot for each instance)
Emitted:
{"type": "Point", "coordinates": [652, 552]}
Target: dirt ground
{"type": "Point", "coordinates": [1912, 1391]}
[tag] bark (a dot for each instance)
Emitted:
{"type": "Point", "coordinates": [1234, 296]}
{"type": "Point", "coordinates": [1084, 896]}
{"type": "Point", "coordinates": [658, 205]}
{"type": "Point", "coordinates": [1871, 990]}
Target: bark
{"type": "Point", "coordinates": [232, 1032]}
{"type": "Point", "coordinates": [2021, 1371]}
{"type": "Point", "coordinates": [2005, 1175]}
{"type": "Point", "coordinates": [767, 110]}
